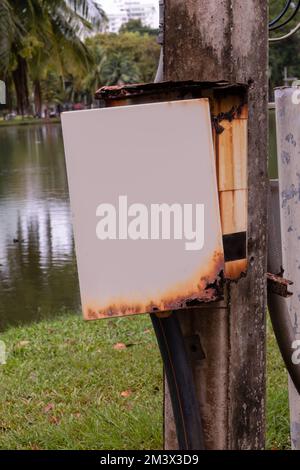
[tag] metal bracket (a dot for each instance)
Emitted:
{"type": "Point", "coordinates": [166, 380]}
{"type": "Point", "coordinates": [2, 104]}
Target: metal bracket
{"type": "Point", "coordinates": [279, 285]}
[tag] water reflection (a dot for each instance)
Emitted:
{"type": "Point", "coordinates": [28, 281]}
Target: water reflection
{"type": "Point", "coordinates": [37, 261]}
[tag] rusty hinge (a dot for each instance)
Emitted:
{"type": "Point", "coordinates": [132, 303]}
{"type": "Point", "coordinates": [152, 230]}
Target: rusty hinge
{"type": "Point", "coordinates": [279, 285]}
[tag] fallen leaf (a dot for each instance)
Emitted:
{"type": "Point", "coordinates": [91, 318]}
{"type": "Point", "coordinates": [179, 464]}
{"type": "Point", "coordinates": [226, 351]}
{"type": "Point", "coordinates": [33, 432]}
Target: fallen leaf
{"type": "Point", "coordinates": [119, 346]}
{"type": "Point", "coordinates": [33, 376]}
{"type": "Point", "coordinates": [35, 447]}
{"type": "Point", "coordinates": [4, 428]}
{"type": "Point", "coordinates": [129, 406]}
{"type": "Point", "coordinates": [54, 420]}
{"type": "Point", "coordinates": [126, 393]}
{"type": "Point", "coordinates": [70, 341]}
{"type": "Point", "coordinates": [22, 344]}
{"type": "Point", "coordinates": [49, 407]}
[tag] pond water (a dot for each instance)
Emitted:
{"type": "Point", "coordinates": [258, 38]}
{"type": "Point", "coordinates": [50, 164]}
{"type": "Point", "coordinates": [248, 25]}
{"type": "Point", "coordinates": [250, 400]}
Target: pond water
{"type": "Point", "coordinates": [38, 274]}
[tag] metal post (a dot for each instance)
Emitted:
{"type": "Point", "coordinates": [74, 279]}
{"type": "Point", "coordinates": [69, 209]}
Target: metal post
{"type": "Point", "coordinates": [227, 40]}
{"type": "Point", "coordinates": [288, 141]}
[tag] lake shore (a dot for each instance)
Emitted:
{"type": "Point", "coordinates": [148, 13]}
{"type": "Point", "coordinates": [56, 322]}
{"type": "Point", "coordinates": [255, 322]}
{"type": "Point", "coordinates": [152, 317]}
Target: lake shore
{"type": "Point", "coordinates": [28, 121]}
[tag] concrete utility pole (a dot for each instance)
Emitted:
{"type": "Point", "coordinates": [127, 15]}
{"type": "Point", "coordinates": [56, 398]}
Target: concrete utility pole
{"type": "Point", "coordinates": [288, 141]}
{"type": "Point", "coordinates": [228, 40]}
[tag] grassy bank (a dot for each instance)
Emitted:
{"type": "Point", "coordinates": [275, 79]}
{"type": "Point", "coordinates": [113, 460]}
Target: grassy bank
{"type": "Point", "coordinates": [69, 384]}
{"type": "Point", "coordinates": [278, 436]}
{"type": "Point", "coordinates": [19, 121]}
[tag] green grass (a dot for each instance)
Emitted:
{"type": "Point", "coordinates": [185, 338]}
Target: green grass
{"type": "Point", "coordinates": [19, 121]}
{"type": "Point", "coordinates": [278, 436]}
{"type": "Point", "coordinates": [61, 387]}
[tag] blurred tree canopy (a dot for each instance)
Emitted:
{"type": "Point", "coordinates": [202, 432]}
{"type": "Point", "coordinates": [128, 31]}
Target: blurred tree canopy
{"type": "Point", "coordinates": [55, 53]}
{"type": "Point", "coordinates": [39, 36]}
{"type": "Point", "coordinates": [127, 57]}
{"type": "Point", "coordinates": [136, 26]}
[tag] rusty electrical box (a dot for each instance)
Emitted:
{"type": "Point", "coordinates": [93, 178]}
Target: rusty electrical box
{"type": "Point", "coordinates": [157, 227]}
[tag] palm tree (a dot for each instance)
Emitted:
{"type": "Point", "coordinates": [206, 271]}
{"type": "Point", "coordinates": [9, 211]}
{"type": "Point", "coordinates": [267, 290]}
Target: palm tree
{"type": "Point", "coordinates": [10, 32]}
{"type": "Point", "coordinates": [39, 32]}
{"type": "Point", "coordinates": [95, 77]}
{"type": "Point", "coordinates": [119, 69]}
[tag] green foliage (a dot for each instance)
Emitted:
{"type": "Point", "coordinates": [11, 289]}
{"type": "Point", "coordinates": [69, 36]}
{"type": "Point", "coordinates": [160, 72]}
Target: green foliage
{"type": "Point", "coordinates": [10, 33]}
{"type": "Point", "coordinates": [125, 58]}
{"type": "Point", "coordinates": [283, 53]}
{"type": "Point", "coordinates": [43, 53]}
{"type": "Point", "coordinates": [42, 33]}
{"type": "Point", "coordinates": [136, 26]}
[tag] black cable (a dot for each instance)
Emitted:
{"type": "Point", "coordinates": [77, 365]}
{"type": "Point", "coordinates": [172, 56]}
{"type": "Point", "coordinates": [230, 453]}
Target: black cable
{"type": "Point", "coordinates": [180, 381]}
{"type": "Point", "coordinates": [281, 14]}
{"type": "Point", "coordinates": [277, 26]}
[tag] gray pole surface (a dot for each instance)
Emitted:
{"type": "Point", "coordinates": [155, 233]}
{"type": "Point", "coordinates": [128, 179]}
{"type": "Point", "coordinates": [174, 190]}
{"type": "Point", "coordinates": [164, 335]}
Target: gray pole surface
{"type": "Point", "coordinates": [288, 147]}
{"type": "Point", "coordinates": [228, 40]}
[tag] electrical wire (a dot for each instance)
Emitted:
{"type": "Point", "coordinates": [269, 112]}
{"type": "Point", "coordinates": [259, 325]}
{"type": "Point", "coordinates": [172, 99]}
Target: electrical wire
{"type": "Point", "coordinates": [277, 26]}
{"type": "Point", "coordinates": [288, 35]}
{"type": "Point", "coordinates": [181, 382]}
{"type": "Point", "coordinates": [281, 14]}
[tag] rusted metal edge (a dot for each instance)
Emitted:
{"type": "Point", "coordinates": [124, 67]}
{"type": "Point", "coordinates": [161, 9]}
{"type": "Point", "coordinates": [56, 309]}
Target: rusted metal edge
{"type": "Point", "coordinates": [212, 293]}
{"type": "Point", "coordinates": [208, 290]}
{"type": "Point", "coordinates": [279, 285]}
{"type": "Point", "coordinates": [177, 90]}
{"type": "Point", "coordinates": [139, 89]}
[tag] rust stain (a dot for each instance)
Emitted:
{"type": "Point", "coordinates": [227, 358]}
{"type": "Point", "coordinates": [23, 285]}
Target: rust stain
{"type": "Point", "coordinates": [205, 286]}
{"type": "Point", "coordinates": [234, 270]}
{"type": "Point", "coordinates": [235, 112]}
{"type": "Point", "coordinates": [231, 163]}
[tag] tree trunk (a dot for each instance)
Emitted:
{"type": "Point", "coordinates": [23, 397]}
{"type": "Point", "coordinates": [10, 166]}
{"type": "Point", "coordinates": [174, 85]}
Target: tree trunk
{"type": "Point", "coordinates": [227, 40]}
{"type": "Point", "coordinates": [21, 86]}
{"type": "Point", "coordinates": [9, 100]}
{"type": "Point", "coordinates": [37, 98]}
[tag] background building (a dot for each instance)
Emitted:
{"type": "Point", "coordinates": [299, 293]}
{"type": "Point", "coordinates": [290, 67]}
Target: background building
{"type": "Point", "coordinates": [119, 12]}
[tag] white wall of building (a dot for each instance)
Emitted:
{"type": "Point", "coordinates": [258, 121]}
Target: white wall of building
{"type": "Point", "coordinates": [121, 11]}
